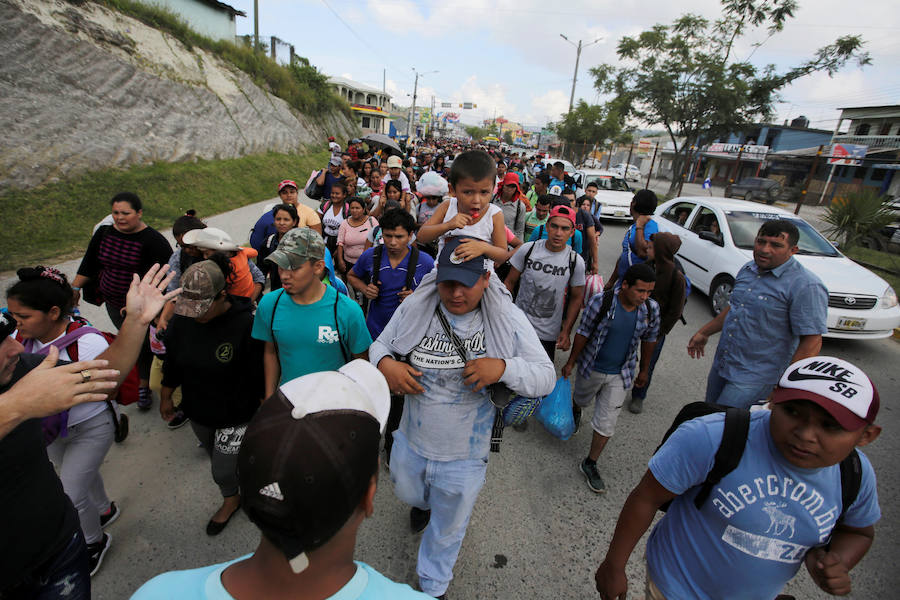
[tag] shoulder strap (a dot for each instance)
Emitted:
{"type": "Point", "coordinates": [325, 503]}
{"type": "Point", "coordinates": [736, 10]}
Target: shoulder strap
{"type": "Point", "coordinates": [731, 449]}
{"type": "Point", "coordinates": [605, 305]}
{"type": "Point", "coordinates": [272, 321]}
{"type": "Point", "coordinates": [573, 260]}
{"type": "Point", "coordinates": [337, 329]}
{"type": "Point", "coordinates": [851, 479]}
{"type": "Point", "coordinates": [540, 234]}
{"type": "Point", "coordinates": [63, 342]}
{"type": "Point", "coordinates": [411, 264]}
{"type": "Point", "coordinates": [527, 256]}
{"type": "Point", "coordinates": [377, 253]}
{"type": "Point", "coordinates": [454, 339]}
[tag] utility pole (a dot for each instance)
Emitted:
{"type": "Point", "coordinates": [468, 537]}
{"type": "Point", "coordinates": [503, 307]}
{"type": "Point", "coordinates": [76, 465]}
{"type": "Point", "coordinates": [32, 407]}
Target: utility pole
{"type": "Point", "coordinates": [578, 48]}
{"type": "Point", "coordinates": [652, 162]}
{"type": "Point", "coordinates": [255, 25]}
{"type": "Point", "coordinates": [809, 176]}
{"type": "Point", "coordinates": [431, 118]}
{"type": "Point", "coordinates": [412, 112]}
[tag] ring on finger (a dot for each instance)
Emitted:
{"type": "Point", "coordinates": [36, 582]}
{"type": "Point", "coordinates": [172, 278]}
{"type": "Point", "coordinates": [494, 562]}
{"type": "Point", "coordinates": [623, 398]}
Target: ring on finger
{"type": "Point", "coordinates": [85, 376]}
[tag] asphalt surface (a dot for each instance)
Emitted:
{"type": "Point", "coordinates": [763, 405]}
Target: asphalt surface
{"type": "Point", "coordinates": [537, 531]}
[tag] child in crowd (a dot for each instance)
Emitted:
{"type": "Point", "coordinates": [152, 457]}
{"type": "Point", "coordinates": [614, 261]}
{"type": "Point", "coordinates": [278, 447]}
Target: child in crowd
{"type": "Point", "coordinates": [246, 279]}
{"type": "Point", "coordinates": [469, 212]}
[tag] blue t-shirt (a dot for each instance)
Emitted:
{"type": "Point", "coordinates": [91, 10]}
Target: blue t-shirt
{"type": "Point", "coordinates": [617, 344]}
{"type": "Point", "coordinates": [751, 535]}
{"type": "Point", "coordinates": [392, 282]}
{"type": "Point", "coordinates": [305, 333]}
{"type": "Point", "coordinates": [628, 257]}
{"type": "Point", "coordinates": [329, 181]}
{"type": "Point", "coordinates": [574, 241]}
{"type": "Point", "coordinates": [205, 583]}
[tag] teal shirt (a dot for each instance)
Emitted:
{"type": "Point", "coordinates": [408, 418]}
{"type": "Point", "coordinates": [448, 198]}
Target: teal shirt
{"type": "Point", "coordinates": [305, 334]}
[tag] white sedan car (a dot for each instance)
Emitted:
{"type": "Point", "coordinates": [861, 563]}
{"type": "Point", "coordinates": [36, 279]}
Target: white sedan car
{"type": "Point", "coordinates": [717, 236]}
{"type": "Point", "coordinates": [631, 172]}
{"type": "Point", "coordinates": [613, 194]}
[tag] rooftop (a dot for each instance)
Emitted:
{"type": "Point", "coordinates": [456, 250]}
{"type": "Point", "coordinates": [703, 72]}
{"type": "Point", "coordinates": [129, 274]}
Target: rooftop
{"type": "Point", "coordinates": [223, 6]}
{"type": "Point", "coordinates": [355, 85]}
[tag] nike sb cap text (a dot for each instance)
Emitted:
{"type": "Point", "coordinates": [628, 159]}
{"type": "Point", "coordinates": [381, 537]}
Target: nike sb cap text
{"type": "Point", "coordinates": [837, 386]}
{"type": "Point", "coordinates": [309, 454]}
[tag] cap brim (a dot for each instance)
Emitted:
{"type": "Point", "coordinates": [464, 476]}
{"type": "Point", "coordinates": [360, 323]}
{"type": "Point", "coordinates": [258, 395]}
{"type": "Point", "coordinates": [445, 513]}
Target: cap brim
{"type": "Point", "coordinates": [192, 308]}
{"type": "Point", "coordinates": [287, 260]}
{"type": "Point", "coordinates": [466, 277]}
{"type": "Point", "coordinates": [844, 416]}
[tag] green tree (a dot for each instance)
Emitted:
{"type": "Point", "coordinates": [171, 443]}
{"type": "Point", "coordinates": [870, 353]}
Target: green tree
{"type": "Point", "coordinates": [587, 126]}
{"type": "Point", "coordinates": [856, 219]}
{"type": "Point", "coordinates": [507, 137]}
{"type": "Point", "coordinates": [475, 131]}
{"type": "Point", "coordinates": [683, 76]}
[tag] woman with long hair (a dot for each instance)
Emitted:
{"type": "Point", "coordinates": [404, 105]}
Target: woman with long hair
{"type": "Point", "coordinates": [286, 218]}
{"type": "Point", "coordinates": [41, 302]}
{"type": "Point", "coordinates": [352, 235]}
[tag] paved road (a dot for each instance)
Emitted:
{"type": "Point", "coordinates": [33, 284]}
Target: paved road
{"type": "Point", "coordinates": [537, 532]}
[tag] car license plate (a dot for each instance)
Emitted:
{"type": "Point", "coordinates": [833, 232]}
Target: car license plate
{"type": "Point", "coordinates": [848, 323]}
{"type": "Point", "coordinates": [620, 213]}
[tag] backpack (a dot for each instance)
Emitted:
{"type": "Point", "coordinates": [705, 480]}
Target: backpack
{"type": "Point", "coordinates": [127, 393]}
{"type": "Point", "coordinates": [573, 258]}
{"type": "Point", "coordinates": [411, 265]}
{"type": "Point", "coordinates": [731, 449]}
{"type": "Point", "coordinates": [606, 304]}
{"type": "Point", "coordinates": [687, 286]}
{"type": "Point", "coordinates": [344, 210]}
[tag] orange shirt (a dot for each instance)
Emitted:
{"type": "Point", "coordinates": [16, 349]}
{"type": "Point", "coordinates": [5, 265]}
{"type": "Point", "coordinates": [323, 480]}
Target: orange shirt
{"type": "Point", "coordinates": [241, 281]}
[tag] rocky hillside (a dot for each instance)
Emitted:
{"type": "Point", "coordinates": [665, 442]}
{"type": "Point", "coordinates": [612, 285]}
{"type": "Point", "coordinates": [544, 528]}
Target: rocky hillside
{"type": "Point", "coordinates": [83, 87]}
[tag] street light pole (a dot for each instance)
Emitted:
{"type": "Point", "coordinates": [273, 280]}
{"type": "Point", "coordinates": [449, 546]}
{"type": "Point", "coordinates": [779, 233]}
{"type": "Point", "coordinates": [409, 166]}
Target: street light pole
{"type": "Point", "coordinates": [412, 114]}
{"type": "Point", "coordinates": [578, 48]}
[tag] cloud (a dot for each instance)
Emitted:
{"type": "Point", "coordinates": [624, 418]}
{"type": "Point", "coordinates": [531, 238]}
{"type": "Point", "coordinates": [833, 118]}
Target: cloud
{"type": "Point", "coordinates": [548, 106]}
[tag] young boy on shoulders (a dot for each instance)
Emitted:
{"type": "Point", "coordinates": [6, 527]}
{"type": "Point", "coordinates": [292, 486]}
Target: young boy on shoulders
{"type": "Point", "coordinates": [469, 211]}
{"type": "Point", "coordinates": [782, 506]}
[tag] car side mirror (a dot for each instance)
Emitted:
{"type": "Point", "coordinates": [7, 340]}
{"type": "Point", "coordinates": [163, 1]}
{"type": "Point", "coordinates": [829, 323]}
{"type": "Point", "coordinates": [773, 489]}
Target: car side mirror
{"type": "Point", "coordinates": [835, 243]}
{"type": "Point", "coordinates": [715, 238]}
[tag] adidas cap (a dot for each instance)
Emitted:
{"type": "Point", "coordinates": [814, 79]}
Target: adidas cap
{"type": "Point", "coordinates": [309, 454]}
{"type": "Point", "coordinates": [839, 387]}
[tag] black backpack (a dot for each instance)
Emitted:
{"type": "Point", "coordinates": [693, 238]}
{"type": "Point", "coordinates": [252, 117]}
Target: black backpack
{"type": "Point", "coordinates": [731, 449]}
{"type": "Point", "coordinates": [411, 265]}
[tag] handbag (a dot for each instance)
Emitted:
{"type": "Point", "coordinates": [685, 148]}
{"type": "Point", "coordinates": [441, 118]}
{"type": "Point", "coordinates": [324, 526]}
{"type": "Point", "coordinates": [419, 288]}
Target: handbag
{"type": "Point", "coordinates": [313, 190]}
{"type": "Point", "coordinates": [500, 395]}
{"type": "Point", "coordinates": [555, 412]}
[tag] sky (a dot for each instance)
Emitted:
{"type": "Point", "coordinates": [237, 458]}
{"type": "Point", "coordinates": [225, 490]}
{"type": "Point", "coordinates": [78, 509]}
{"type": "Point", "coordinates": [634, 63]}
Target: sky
{"type": "Point", "coordinates": [507, 56]}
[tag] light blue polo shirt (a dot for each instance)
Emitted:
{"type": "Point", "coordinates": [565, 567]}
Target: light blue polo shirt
{"type": "Point", "coordinates": [770, 310]}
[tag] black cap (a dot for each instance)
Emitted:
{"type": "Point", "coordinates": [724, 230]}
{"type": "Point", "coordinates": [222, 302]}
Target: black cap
{"type": "Point", "coordinates": [451, 268]}
{"type": "Point", "coordinates": [309, 454]}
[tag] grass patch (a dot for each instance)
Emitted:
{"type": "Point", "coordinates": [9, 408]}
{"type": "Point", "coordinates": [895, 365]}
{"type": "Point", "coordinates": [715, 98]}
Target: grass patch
{"type": "Point", "coordinates": [878, 259]}
{"type": "Point", "coordinates": [301, 84]}
{"type": "Point", "coordinates": [46, 224]}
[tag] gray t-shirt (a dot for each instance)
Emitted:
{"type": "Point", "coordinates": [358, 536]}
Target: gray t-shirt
{"type": "Point", "coordinates": [543, 284]}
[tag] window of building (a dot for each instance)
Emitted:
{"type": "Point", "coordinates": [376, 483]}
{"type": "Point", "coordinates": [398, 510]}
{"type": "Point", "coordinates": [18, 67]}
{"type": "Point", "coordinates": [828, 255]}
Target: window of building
{"type": "Point", "coordinates": [863, 129]}
{"type": "Point", "coordinates": [878, 174]}
{"type": "Point", "coordinates": [884, 129]}
{"type": "Point", "coordinates": [366, 122]}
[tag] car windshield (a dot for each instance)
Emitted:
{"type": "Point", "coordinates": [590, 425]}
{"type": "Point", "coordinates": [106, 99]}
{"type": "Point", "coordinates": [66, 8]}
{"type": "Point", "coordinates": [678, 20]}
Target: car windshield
{"type": "Point", "coordinates": [745, 225]}
{"type": "Point", "coordinates": [610, 183]}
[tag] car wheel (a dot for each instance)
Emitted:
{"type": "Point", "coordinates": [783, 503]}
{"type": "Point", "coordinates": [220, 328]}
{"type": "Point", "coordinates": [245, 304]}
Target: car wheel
{"type": "Point", "coordinates": [771, 196]}
{"type": "Point", "coordinates": [720, 293]}
{"type": "Point", "coordinates": [872, 242]}
{"type": "Point", "coordinates": [749, 196]}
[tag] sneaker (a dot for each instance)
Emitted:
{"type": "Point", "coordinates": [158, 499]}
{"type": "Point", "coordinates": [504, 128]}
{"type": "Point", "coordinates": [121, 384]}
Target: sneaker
{"type": "Point", "coordinates": [418, 519]}
{"type": "Point", "coordinates": [97, 551]}
{"type": "Point", "coordinates": [111, 514]}
{"type": "Point", "coordinates": [594, 481]}
{"type": "Point", "coordinates": [576, 414]}
{"type": "Point", "coordinates": [178, 420]}
{"type": "Point", "coordinates": [636, 406]}
{"type": "Point", "coordinates": [145, 398]}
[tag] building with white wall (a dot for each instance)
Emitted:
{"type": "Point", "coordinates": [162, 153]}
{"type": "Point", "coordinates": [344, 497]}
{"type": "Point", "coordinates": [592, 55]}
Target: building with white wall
{"type": "Point", "coordinates": [211, 18]}
{"type": "Point", "coordinates": [370, 106]}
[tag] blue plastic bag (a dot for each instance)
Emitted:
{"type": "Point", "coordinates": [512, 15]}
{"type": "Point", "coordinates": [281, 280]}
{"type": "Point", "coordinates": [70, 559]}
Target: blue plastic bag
{"type": "Point", "coordinates": [519, 409]}
{"type": "Point", "coordinates": [555, 412]}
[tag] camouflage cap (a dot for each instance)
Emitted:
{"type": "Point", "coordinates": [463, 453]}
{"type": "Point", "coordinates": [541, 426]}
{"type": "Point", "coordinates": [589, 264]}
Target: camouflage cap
{"type": "Point", "coordinates": [298, 246]}
{"type": "Point", "coordinates": [200, 283]}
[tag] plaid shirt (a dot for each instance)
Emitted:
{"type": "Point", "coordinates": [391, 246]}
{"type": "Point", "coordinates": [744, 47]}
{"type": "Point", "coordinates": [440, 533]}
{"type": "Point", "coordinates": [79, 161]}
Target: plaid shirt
{"type": "Point", "coordinates": [595, 327]}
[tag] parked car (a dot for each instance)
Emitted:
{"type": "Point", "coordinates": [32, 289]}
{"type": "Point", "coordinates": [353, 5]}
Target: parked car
{"type": "Point", "coordinates": [754, 188]}
{"type": "Point", "coordinates": [629, 172]}
{"type": "Point", "coordinates": [717, 240]}
{"type": "Point", "coordinates": [614, 194]}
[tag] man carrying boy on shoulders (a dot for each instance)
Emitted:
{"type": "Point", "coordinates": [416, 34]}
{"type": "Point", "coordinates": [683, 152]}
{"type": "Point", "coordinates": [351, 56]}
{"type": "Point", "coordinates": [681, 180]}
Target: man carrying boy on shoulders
{"type": "Point", "coordinates": [782, 506]}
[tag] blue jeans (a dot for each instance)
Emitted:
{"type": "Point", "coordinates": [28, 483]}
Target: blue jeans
{"type": "Point", "coordinates": [66, 576]}
{"type": "Point", "coordinates": [641, 392]}
{"type": "Point", "coordinates": [729, 393]}
{"type": "Point", "coordinates": [449, 489]}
